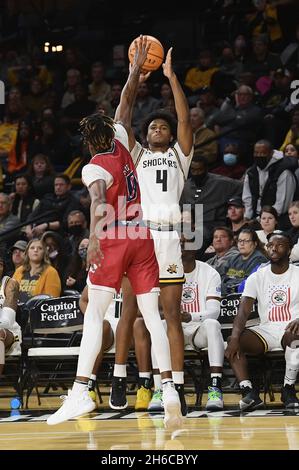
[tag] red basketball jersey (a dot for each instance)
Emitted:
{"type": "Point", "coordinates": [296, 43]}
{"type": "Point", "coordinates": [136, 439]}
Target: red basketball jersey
{"type": "Point", "coordinates": [124, 194]}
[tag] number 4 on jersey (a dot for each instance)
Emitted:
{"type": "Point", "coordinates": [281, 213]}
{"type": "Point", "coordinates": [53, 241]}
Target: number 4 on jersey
{"type": "Point", "coordinates": [161, 178]}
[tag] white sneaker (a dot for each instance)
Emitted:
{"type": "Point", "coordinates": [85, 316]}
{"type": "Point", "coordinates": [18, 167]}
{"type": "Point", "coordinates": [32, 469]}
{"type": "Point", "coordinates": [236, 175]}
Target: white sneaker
{"type": "Point", "coordinates": [173, 416]}
{"type": "Point", "coordinates": [74, 405]}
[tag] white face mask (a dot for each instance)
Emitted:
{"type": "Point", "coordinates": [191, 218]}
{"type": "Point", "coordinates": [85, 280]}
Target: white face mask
{"type": "Point", "coordinates": [230, 159]}
{"type": "Point", "coordinates": [53, 254]}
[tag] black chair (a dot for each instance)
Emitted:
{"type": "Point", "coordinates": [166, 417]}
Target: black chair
{"type": "Point", "coordinates": [52, 356]}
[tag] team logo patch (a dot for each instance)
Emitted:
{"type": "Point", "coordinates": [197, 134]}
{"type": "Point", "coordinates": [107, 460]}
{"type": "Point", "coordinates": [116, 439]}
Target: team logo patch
{"type": "Point", "coordinates": [189, 295]}
{"type": "Point", "coordinates": [172, 269]}
{"type": "Point", "coordinates": [279, 297]}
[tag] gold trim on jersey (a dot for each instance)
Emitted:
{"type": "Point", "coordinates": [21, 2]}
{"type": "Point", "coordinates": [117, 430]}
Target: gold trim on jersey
{"type": "Point", "coordinates": [139, 157]}
{"type": "Point", "coordinates": [179, 162]}
{"type": "Point", "coordinates": [266, 347]}
{"type": "Point", "coordinates": [169, 280]}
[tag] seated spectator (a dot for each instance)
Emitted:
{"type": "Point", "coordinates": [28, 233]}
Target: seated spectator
{"type": "Point", "coordinates": [235, 215]}
{"type": "Point", "coordinates": [200, 76]}
{"type": "Point", "coordinates": [98, 89]}
{"type": "Point", "coordinates": [53, 143]}
{"type": "Point", "coordinates": [264, 19]}
{"type": "Point", "coordinates": [10, 331]}
{"type": "Point", "coordinates": [73, 78]}
{"type": "Point", "coordinates": [207, 102]}
{"type": "Point", "coordinates": [268, 221]}
{"type": "Point", "coordinates": [242, 118]}
{"type": "Point", "coordinates": [231, 165]}
{"type": "Point", "coordinates": [250, 256]}
{"type": "Point", "coordinates": [144, 105]}
{"type": "Point", "coordinates": [224, 248]}
{"type": "Point", "coordinates": [17, 252]}
{"type": "Point", "coordinates": [36, 275]}
{"type": "Point", "coordinates": [36, 99]}
{"type": "Point", "coordinates": [42, 174]}
{"type": "Point", "coordinates": [262, 62]}
{"type": "Point", "coordinates": [58, 252]}
{"type": "Point", "coordinates": [294, 231]}
{"type": "Point", "coordinates": [76, 270]}
{"type": "Point", "coordinates": [213, 192]}
{"type": "Point", "coordinates": [7, 220]}
{"type": "Point", "coordinates": [292, 151]}
{"type": "Point", "coordinates": [62, 202]}
{"type": "Point", "coordinates": [23, 199]}
{"type": "Point", "coordinates": [292, 136]}
{"type": "Point", "coordinates": [269, 181]}
{"type": "Point", "coordinates": [76, 229]}
{"type": "Point", "coordinates": [201, 134]}
{"type": "Point", "coordinates": [76, 111]}
{"type": "Point", "coordinates": [19, 155]}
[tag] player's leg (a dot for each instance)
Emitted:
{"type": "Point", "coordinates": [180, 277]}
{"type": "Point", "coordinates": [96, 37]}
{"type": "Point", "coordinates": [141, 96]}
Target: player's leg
{"type": "Point", "coordinates": [78, 401]}
{"type": "Point", "coordinates": [209, 335]}
{"type": "Point", "coordinates": [253, 344]}
{"type": "Point", "coordinates": [290, 343]}
{"type": "Point", "coordinates": [143, 274]}
{"type": "Point", "coordinates": [142, 343]}
{"type": "Point", "coordinates": [6, 340]}
{"type": "Point", "coordinates": [123, 338]}
{"type": "Point", "coordinates": [108, 340]}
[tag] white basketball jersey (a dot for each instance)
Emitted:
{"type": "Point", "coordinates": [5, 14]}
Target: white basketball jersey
{"type": "Point", "coordinates": [161, 178]}
{"type": "Point", "coordinates": [204, 281]}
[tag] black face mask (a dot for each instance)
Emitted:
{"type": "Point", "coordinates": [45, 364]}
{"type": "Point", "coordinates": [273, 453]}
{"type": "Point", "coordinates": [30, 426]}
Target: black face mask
{"type": "Point", "coordinates": [75, 230]}
{"type": "Point", "coordinates": [261, 162]}
{"type": "Point", "coordinates": [199, 179]}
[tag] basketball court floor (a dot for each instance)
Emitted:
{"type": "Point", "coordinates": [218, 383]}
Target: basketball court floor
{"type": "Point", "coordinates": [107, 430]}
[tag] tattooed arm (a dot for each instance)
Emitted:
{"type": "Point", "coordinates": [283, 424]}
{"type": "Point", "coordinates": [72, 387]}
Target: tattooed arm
{"type": "Point", "coordinates": [11, 294]}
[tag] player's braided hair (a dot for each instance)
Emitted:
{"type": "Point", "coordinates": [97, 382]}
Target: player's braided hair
{"type": "Point", "coordinates": [98, 130]}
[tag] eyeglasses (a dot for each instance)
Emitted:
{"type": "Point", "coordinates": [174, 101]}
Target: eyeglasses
{"type": "Point", "coordinates": [244, 241]}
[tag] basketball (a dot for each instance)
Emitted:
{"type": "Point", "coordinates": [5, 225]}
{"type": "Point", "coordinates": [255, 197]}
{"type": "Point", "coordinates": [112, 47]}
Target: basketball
{"type": "Point", "coordinates": [155, 55]}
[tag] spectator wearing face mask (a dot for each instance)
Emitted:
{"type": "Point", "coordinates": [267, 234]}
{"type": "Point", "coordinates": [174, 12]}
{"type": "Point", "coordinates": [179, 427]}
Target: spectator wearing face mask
{"type": "Point", "coordinates": [269, 181]}
{"type": "Point", "coordinates": [76, 270]}
{"type": "Point", "coordinates": [57, 251]}
{"type": "Point", "coordinates": [231, 165]}
{"type": "Point", "coordinates": [76, 228]}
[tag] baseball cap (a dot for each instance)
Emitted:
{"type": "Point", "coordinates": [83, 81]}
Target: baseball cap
{"type": "Point", "coordinates": [235, 201]}
{"type": "Point", "coordinates": [20, 245]}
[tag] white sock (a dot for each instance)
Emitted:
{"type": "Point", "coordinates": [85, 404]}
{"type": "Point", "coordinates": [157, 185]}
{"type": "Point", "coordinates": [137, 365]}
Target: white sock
{"type": "Point", "coordinates": [93, 377]}
{"type": "Point", "coordinates": [145, 375]}
{"type": "Point", "coordinates": [292, 366]}
{"type": "Point", "coordinates": [245, 383]}
{"type": "Point", "coordinates": [216, 374]}
{"type": "Point", "coordinates": [178, 377]}
{"type": "Point", "coordinates": [157, 382]}
{"type": "Point", "coordinates": [98, 303]}
{"type": "Point", "coordinates": [120, 370]}
{"type": "Point", "coordinates": [79, 387]}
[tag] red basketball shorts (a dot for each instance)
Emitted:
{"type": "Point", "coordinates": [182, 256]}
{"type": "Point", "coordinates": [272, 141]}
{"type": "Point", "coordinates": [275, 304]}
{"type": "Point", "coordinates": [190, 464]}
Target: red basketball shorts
{"type": "Point", "coordinates": [131, 250]}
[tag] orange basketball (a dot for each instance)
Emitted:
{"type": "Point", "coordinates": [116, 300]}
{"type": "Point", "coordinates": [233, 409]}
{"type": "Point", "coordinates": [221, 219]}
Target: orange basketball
{"type": "Point", "coordinates": [155, 55]}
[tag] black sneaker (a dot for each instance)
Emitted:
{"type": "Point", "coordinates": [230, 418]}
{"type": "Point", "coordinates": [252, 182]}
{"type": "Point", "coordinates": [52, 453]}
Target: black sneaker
{"type": "Point", "coordinates": [288, 396]}
{"type": "Point", "coordinates": [250, 399]}
{"type": "Point", "coordinates": [180, 389]}
{"type": "Point", "coordinates": [118, 399]}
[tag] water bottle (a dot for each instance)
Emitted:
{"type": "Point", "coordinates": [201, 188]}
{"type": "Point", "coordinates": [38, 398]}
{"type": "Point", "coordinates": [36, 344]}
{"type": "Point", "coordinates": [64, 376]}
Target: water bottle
{"type": "Point", "coordinates": [15, 403]}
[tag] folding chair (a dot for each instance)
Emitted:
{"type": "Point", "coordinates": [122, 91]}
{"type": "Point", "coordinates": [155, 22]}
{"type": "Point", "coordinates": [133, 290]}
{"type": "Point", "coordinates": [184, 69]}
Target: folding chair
{"type": "Point", "coordinates": [52, 358]}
